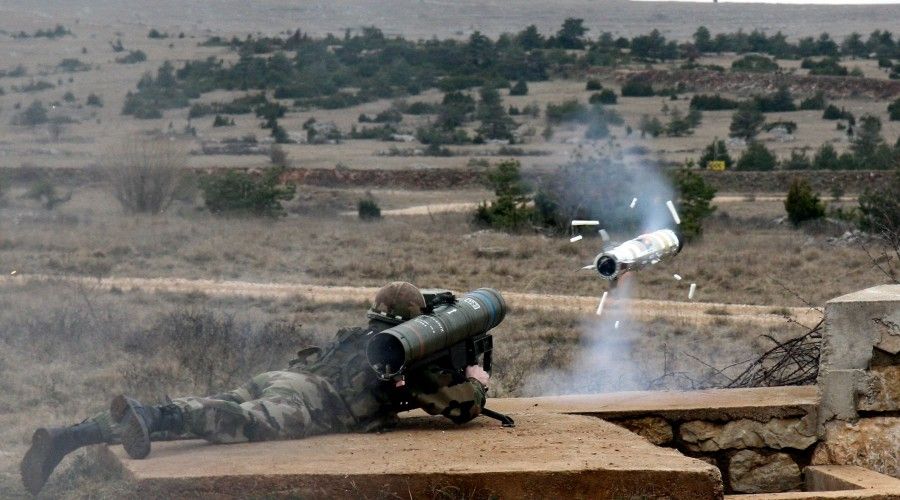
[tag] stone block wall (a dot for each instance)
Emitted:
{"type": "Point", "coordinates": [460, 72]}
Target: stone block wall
{"type": "Point", "coordinates": [857, 421]}
{"type": "Point", "coordinates": [754, 456]}
{"type": "Point", "coordinates": [859, 380]}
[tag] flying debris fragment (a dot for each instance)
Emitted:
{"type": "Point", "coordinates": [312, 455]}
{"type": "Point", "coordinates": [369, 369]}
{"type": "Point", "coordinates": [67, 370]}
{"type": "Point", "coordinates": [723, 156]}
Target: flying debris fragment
{"type": "Point", "coordinates": [616, 326]}
{"type": "Point", "coordinates": [12, 273]}
{"type": "Point", "coordinates": [604, 235]}
{"type": "Point", "coordinates": [675, 216]}
{"type": "Point", "coordinates": [646, 249]}
{"type": "Point", "coordinates": [602, 300]}
{"type": "Point", "coordinates": [633, 203]}
{"type": "Point", "coordinates": [585, 223]}
{"type": "Point", "coordinates": [677, 277]}
{"type": "Point", "coordinates": [573, 239]}
{"type": "Point", "coordinates": [691, 291]}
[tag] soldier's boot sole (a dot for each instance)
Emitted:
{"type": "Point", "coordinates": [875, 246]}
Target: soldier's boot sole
{"type": "Point", "coordinates": [135, 433]}
{"type": "Point", "coordinates": [39, 461]}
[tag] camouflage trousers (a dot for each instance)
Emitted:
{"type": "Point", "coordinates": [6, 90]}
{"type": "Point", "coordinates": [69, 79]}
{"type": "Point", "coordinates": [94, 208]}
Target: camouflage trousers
{"type": "Point", "coordinates": [271, 405]}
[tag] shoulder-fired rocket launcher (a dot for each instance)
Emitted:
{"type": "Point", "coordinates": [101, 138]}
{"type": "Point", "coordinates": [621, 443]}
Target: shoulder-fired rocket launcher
{"type": "Point", "coordinates": [453, 334]}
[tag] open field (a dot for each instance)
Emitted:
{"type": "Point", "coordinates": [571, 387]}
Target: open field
{"type": "Point", "coordinates": [728, 264]}
{"type": "Point", "coordinates": [95, 302]}
{"type": "Point", "coordinates": [63, 358]}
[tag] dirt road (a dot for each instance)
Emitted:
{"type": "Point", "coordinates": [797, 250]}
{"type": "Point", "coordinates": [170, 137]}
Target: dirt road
{"type": "Point", "coordinates": [437, 208]}
{"type": "Point", "coordinates": [691, 313]}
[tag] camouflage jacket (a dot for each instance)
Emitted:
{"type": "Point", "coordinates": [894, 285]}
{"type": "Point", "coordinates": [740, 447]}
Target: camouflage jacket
{"type": "Point", "coordinates": [374, 403]}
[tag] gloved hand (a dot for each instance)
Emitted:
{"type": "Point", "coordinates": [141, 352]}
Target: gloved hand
{"type": "Point", "coordinates": [478, 373]}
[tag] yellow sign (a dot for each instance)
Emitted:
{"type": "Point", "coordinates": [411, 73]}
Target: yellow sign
{"type": "Point", "coordinates": [715, 165]}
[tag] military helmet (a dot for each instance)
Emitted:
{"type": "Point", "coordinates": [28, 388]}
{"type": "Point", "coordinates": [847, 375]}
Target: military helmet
{"type": "Point", "coordinates": [398, 301]}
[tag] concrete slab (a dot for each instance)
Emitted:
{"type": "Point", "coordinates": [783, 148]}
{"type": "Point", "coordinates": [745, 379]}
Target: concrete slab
{"type": "Point", "coordinates": [847, 477]}
{"type": "Point", "coordinates": [545, 456]}
{"type": "Point", "coordinates": [714, 404]}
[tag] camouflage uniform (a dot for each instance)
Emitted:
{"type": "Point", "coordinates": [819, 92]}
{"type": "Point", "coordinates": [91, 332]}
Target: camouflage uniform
{"type": "Point", "coordinates": [332, 389]}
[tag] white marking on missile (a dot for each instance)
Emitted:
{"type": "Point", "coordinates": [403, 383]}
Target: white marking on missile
{"type": "Point", "coordinates": [677, 277]}
{"type": "Point", "coordinates": [585, 223]}
{"type": "Point", "coordinates": [573, 239]}
{"type": "Point", "coordinates": [600, 307]}
{"type": "Point", "coordinates": [673, 212]}
{"type": "Point", "coordinates": [692, 290]}
{"type": "Point", "coordinates": [604, 235]}
{"type": "Point", "coordinates": [633, 203]}
{"type": "Point", "coordinates": [616, 326]}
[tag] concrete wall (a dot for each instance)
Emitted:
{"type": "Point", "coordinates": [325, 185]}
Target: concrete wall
{"type": "Point", "coordinates": [859, 381]}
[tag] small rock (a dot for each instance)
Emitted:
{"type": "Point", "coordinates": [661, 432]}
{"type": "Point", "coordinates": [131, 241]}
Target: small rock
{"type": "Point", "coordinates": [753, 472]}
{"type": "Point", "coordinates": [654, 429]}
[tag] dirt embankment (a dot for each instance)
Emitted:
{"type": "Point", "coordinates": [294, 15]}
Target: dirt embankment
{"type": "Point", "coordinates": [852, 181]}
{"type": "Point", "coordinates": [834, 87]}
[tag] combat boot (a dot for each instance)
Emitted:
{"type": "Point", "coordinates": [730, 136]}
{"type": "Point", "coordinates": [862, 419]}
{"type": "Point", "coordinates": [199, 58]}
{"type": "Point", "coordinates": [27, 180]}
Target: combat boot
{"type": "Point", "coordinates": [138, 422]}
{"type": "Point", "coordinates": [49, 446]}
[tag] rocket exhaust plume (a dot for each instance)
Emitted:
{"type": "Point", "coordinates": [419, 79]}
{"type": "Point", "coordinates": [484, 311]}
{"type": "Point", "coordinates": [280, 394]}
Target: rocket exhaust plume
{"type": "Point", "coordinates": [645, 250]}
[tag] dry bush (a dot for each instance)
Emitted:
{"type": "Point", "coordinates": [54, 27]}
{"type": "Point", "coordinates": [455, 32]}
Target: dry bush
{"type": "Point", "coordinates": [146, 176]}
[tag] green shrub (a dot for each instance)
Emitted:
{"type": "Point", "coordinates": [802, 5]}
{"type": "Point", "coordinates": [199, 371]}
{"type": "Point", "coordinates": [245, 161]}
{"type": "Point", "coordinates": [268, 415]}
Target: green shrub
{"type": "Point", "coordinates": [755, 64]}
{"type": "Point", "coordinates": [716, 151]}
{"type": "Point", "coordinates": [605, 96]}
{"type": "Point", "coordinates": [222, 121]}
{"type": "Point", "coordinates": [237, 192]}
{"type": "Point", "coordinates": [133, 57]}
{"type": "Point", "coordinates": [756, 157]}
{"type": "Point", "coordinates": [34, 115]}
{"type": "Point", "coordinates": [520, 88]}
{"type": "Point", "coordinates": [798, 160]}
{"type": "Point", "coordinates": [566, 111]}
{"type": "Point", "coordinates": [637, 87]}
{"type": "Point", "coordinates": [694, 202]}
{"type": "Point", "coordinates": [650, 125]}
{"type": "Point", "coordinates": [154, 33]}
{"type": "Point", "coordinates": [833, 113]}
{"type": "Point", "coordinates": [802, 204]}
{"type": "Point", "coordinates": [368, 209]}
{"type": "Point", "coordinates": [94, 100]}
{"type": "Point", "coordinates": [894, 110]}
{"type": "Point", "coordinates": [703, 102]}
{"type": "Point", "coordinates": [817, 101]}
{"type": "Point", "coordinates": [880, 209]}
{"type": "Point", "coordinates": [779, 101]}
{"type": "Point", "coordinates": [69, 97]}
{"type": "Point", "coordinates": [509, 211]}
{"type": "Point", "coordinates": [593, 84]}
{"type": "Point", "coordinates": [746, 121]}
{"type": "Point", "coordinates": [826, 158]}
{"type": "Point", "coordinates": [826, 66]}
{"type": "Point", "coordinates": [72, 65]}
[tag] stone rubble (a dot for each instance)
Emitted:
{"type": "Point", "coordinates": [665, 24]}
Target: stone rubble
{"type": "Point", "coordinates": [777, 433]}
{"type": "Point", "coordinates": [754, 472]}
{"type": "Point", "coordinates": [654, 429]}
{"type": "Point", "coordinates": [873, 443]}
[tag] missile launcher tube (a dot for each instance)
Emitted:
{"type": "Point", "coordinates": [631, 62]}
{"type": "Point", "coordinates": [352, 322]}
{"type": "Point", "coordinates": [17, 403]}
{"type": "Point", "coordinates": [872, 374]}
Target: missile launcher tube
{"type": "Point", "coordinates": [390, 351]}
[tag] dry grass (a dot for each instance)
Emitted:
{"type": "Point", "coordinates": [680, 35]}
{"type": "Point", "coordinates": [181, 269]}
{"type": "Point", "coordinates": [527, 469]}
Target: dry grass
{"type": "Point", "coordinates": [735, 262]}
